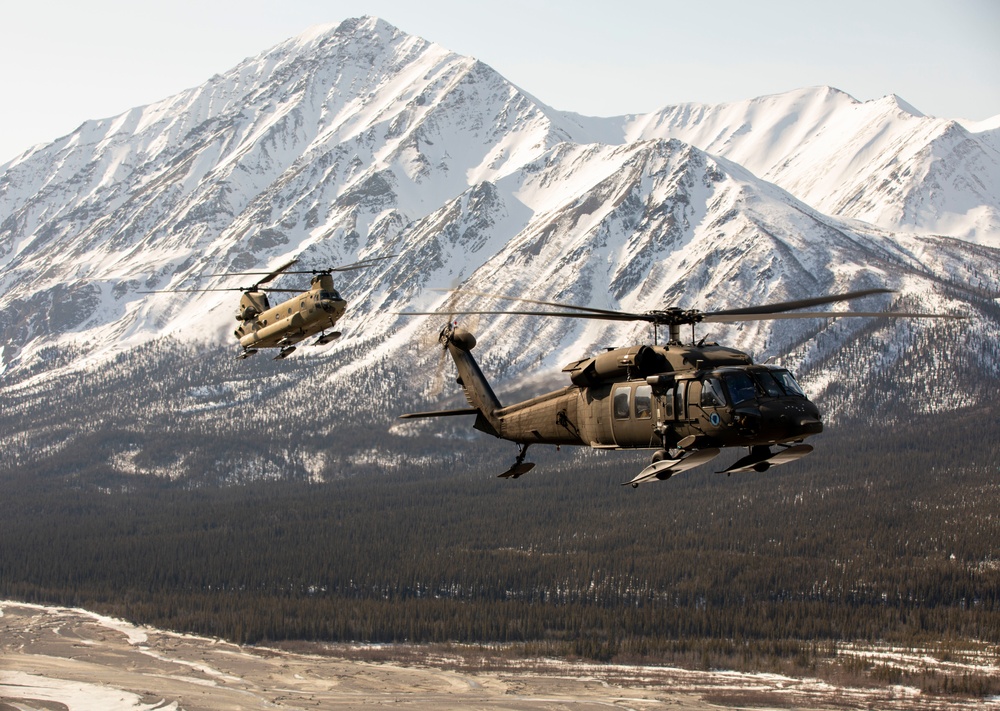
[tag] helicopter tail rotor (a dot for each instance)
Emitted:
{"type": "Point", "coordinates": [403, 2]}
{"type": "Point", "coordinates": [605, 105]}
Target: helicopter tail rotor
{"type": "Point", "coordinates": [458, 343]}
{"type": "Point", "coordinates": [441, 346]}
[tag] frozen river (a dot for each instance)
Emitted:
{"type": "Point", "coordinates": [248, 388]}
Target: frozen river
{"type": "Point", "coordinates": [68, 659]}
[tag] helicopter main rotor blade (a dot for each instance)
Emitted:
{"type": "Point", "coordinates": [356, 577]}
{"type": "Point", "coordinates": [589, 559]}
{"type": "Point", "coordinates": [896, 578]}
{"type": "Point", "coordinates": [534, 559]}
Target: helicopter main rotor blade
{"type": "Point", "coordinates": [222, 288]}
{"type": "Point", "coordinates": [273, 275]}
{"type": "Point", "coordinates": [676, 316]}
{"type": "Point", "coordinates": [268, 276]}
{"type": "Point", "coordinates": [177, 291]}
{"type": "Point", "coordinates": [719, 317]}
{"type": "Point", "coordinates": [608, 316]}
{"type": "Point", "coordinates": [799, 303]}
{"type": "Point", "coordinates": [585, 309]}
{"type": "Point", "coordinates": [364, 263]}
{"type": "Point", "coordinates": [284, 270]}
{"type": "Point", "coordinates": [777, 307]}
{"type": "Point", "coordinates": [663, 319]}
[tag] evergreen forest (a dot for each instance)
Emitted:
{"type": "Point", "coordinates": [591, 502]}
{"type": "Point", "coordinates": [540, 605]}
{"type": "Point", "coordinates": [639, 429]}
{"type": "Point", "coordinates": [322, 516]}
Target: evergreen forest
{"type": "Point", "coordinates": [887, 533]}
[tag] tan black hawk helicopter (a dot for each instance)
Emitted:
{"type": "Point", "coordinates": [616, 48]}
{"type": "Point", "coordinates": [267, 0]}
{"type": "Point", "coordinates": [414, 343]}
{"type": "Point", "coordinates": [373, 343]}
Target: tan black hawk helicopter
{"type": "Point", "coordinates": [293, 320]}
{"type": "Point", "coordinates": [686, 401]}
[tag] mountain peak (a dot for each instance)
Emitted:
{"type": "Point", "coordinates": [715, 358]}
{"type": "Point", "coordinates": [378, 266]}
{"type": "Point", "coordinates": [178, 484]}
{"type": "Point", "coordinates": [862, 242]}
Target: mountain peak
{"type": "Point", "coordinates": [358, 140]}
{"type": "Point", "coordinates": [902, 105]}
{"type": "Point", "coordinates": [365, 25]}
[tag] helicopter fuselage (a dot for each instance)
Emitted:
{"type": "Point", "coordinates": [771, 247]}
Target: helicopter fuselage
{"type": "Point", "coordinates": [295, 319]}
{"type": "Point", "coordinates": [738, 405]}
{"type": "Point", "coordinates": [685, 401]}
{"type": "Point", "coordinates": [306, 314]}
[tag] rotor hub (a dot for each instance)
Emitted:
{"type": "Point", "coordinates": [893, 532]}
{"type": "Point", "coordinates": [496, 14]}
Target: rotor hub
{"type": "Point", "coordinates": [675, 316]}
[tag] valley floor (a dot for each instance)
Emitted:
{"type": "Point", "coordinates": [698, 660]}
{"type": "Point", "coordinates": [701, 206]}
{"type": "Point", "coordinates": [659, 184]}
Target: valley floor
{"type": "Point", "coordinates": [69, 659]}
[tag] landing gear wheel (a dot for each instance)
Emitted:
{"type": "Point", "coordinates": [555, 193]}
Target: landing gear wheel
{"type": "Point", "coordinates": [520, 466]}
{"type": "Point", "coordinates": [325, 338]}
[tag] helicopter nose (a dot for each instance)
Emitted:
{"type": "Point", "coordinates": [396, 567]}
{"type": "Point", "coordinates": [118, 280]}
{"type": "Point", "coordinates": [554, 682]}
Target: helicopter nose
{"type": "Point", "coordinates": [810, 425]}
{"type": "Point", "coordinates": [791, 420]}
{"type": "Point", "coordinates": [809, 421]}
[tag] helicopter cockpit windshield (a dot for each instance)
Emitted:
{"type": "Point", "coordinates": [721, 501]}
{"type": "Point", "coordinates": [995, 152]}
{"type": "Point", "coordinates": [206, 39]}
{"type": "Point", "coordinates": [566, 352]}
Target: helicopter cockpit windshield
{"type": "Point", "coordinates": [768, 383]}
{"type": "Point", "coordinates": [331, 295]}
{"type": "Point", "coordinates": [788, 382]}
{"type": "Point", "coordinates": [738, 387]}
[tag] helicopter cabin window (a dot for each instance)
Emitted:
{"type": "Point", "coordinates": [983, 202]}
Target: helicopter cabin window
{"type": "Point", "coordinates": [741, 387]}
{"type": "Point", "coordinates": [711, 393]}
{"type": "Point", "coordinates": [668, 404]}
{"type": "Point", "coordinates": [788, 382]}
{"type": "Point", "coordinates": [643, 402]}
{"type": "Point", "coordinates": [621, 402]}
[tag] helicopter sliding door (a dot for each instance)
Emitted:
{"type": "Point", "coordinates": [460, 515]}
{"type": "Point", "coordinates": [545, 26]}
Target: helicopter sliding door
{"type": "Point", "coordinates": [632, 415]}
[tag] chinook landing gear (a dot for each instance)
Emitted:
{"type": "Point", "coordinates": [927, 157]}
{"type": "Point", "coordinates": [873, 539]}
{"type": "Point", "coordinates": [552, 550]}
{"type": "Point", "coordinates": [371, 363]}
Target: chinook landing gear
{"type": "Point", "coordinates": [520, 466]}
{"type": "Point", "coordinates": [285, 352]}
{"type": "Point", "coordinates": [247, 352]}
{"type": "Point", "coordinates": [325, 338]}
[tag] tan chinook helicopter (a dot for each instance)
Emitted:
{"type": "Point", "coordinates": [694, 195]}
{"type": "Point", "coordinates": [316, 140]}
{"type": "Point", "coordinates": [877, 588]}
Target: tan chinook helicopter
{"type": "Point", "coordinates": [293, 320]}
{"type": "Point", "coordinates": [687, 401]}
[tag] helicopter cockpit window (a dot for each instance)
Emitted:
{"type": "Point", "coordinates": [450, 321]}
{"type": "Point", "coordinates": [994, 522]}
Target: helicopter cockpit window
{"type": "Point", "coordinates": [741, 387]}
{"type": "Point", "coordinates": [621, 402]}
{"type": "Point", "coordinates": [767, 382]}
{"type": "Point", "coordinates": [711, 393]}
{"type": "Point", "coordinates": [788, 382]}
{"type": "Point", "coordinates": [643, 402]}
{"type": "Point", "coordinates": [328, 295]}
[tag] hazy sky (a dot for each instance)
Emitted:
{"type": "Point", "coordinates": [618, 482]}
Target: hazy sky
{"type": "Point", "coordinates": [67, 61]}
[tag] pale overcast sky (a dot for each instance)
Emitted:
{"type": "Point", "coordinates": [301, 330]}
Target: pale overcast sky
{"type": "Point", "coordinates": [64, 62]}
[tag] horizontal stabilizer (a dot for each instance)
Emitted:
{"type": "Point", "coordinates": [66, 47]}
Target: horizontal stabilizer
{"type": "Point", "coordinates": [440, 413]}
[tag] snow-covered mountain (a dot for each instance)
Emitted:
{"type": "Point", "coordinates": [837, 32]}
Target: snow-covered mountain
{"type": "Point", "coordinates": [358, 140]}
{"type": "Point", "coordinates": [880, 161]}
